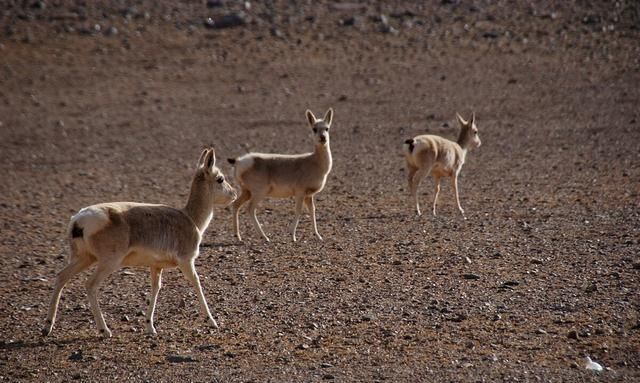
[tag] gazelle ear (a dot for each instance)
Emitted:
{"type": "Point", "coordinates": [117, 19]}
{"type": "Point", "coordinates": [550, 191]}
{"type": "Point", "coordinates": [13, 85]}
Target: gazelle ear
{"type": "Point", "coordinates": [202, 157]}
{"type": "Point", "coordinates": [328, 117]}
{"type": "Point", "coordinates": [310, 117]}
{"type": "Point", "coordinates": [210, 159]}
{"type": "Point", "coordinates": [473, 118]}
{"type": "Point", "coordinates": [461, 120]}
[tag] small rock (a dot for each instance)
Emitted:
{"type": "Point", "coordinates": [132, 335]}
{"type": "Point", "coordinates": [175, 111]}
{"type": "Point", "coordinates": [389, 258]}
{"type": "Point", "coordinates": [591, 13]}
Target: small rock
{"type": "Point", "coordinates": [229, 20]}
{"type": "Point", "coordinates": [591, 365]}
{"type": "Point", "coordinates": [541, 332]}
{"type": "Point", "coordinates": [347, 22]}
{"type": "Point", "coordinates": [471, 276]}
{"type": "Point", "coordinates": [180, 359]}
{"type": "Point", "coordinates": [76, 356]}
{"type": "Point", "coordinates": [125, 318]}
{"type": "Point", "coordinates": [368, 317]}
{"type": "Point", "coordinates": [509, 285]}
{"type": "Point", "coordinates": [325, 365]}
{"type": "Point", "coordinates": [490, 35]}
{"type": "Point", "coordinates": [303, 346]}
{"type": "Point", "coordinates": [328, 377]}
{"type": "Point", "coordinates": [215, 3]}
{"type": "Point", "coordinates": [573, 334]}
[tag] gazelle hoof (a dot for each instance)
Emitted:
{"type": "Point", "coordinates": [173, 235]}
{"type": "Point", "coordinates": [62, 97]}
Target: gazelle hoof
{"type": "Point", "coordinates": [106, 333]}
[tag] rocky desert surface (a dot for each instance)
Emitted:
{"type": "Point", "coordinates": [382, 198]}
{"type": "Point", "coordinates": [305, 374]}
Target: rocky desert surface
{"type": "Point", "coordinates": [113, 101]}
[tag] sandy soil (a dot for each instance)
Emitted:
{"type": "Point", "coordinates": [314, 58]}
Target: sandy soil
{"type": "Point", "coordinates": [115, 102]}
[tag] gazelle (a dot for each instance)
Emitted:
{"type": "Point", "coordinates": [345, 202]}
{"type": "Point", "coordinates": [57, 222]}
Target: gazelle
{"type": "Point", "coordinates": [120, 234]}
{"type": "Point", "coordinates": [301, 176]}
{"type": "Point", "coordinates": [435, 155]}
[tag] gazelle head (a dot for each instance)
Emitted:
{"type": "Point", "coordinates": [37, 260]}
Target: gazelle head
{"type": "Point", "coordinates": [320, 128]}
{"type": "Point", "coordinates": [469, 137]}
{"type": "Point", "coordinates": [211, 181]}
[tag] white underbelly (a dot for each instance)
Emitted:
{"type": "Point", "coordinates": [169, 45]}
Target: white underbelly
{"type": "Point", "coordinates": [142, 257]}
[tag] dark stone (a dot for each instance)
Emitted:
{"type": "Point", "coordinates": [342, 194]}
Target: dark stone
{"type": "Point", "coordinates": [215, 3]}
{"type": "Point", "coordinates": [76, 356]}
{"type": "Point", "coordinates": [490, 35]}
{"type": "Point", "coordinates": [471, 276]}
{"type": "Point", "coordinates": [180, 359]}
{"type": "Point", "coordinates": [347, 22]}
{"type": "Point", "coordinates": [230, 20]}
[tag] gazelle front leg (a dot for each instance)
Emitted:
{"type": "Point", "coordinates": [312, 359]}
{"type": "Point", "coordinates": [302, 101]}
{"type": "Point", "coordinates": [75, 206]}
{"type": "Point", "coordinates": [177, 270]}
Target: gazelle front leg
{"type": "Point", "coordinates": [156, 284]}
{"type": "Point", "coordinates": [252, 212]}
{"type": "Point", "coordinates": [436, 180]}
{"type": "Point", "coordinates": [189, 271]}
{"type": "Point", "coordinates": [236, 206]}
{"type": "Point", "coordinates": [417, 178]}
{"type": "Point", "coordinates": [299, 201]}
{"type": "Point", "coordinates": [455, 188]}
{"type": "Point", "coordinates": [311, 206]}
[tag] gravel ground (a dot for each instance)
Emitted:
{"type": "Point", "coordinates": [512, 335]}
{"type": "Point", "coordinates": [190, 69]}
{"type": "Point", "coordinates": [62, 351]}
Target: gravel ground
{"type": "Point", "coordinates": [113, 101]}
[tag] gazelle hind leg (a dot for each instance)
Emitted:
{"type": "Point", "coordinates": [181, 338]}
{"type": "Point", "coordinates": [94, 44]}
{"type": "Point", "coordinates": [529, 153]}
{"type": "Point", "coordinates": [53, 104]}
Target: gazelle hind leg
{"type": "Point", "coordinates": [412, 188]}
{"type": "Point", "coordinates": [101, 273]}
{"type": "Point", "coordinates": [78, 264]}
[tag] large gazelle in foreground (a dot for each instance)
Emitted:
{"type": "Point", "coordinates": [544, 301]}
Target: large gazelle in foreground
{"type": "Point", "coordinates": [120, 234]}
{"type": "Point", "coordinates": [301, 176]}
{"type": "Point", "coordinates": [429, 154]}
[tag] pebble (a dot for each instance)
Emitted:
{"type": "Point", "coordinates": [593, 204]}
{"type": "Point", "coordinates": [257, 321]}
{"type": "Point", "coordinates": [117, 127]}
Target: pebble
{"type": "Point", "coordinates": [76, 356]}
{"type": "Point", "coordinates": [591, 365]}
{"type": "Point", "coordinates": [573, 334]}
{"type": "Point", "coordinates": [471, 276]}
{"type": "Point", "coordinates": [215, 3]}
{"type": "Point", "coordinates": [229, 20]}
{"type": "Point", "coordinates": [180, 359]}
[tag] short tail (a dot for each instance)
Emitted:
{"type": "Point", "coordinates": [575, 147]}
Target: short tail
{"type": "Point", "coordinates": [232, 161]}
{"type": "Point", "coordinates": [411, 144]}
{"type": "Point", "coordinates": [76, 231]}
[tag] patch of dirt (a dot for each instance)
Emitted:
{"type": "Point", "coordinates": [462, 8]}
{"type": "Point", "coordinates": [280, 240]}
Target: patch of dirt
{"type": "Point", "coordinates": [111, 102]}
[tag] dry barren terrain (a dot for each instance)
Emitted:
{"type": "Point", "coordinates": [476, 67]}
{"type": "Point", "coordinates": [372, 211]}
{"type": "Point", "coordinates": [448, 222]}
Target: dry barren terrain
{"type": "Point", "coordinates": [114, 100]}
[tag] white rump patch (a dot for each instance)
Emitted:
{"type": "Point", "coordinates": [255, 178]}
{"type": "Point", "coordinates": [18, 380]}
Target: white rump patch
{"type": "Point", "coordinates": [90, 219]}
{"type": "Point", "coordinates": [243, 164]}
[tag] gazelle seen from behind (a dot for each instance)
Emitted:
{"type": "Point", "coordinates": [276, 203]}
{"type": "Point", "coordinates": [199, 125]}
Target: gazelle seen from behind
{"type": "Point", "coordinates": [120, 234]}
{"type": "Point", "coordinates": [301, 176]}
{"type": "Point", "coordinates": [430, 154]}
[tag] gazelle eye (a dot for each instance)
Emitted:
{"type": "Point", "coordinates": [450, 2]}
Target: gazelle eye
{"type": "Point", "coordinates": [315, 130]}
{"type": "Point", "coordinates": [220, 180]}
